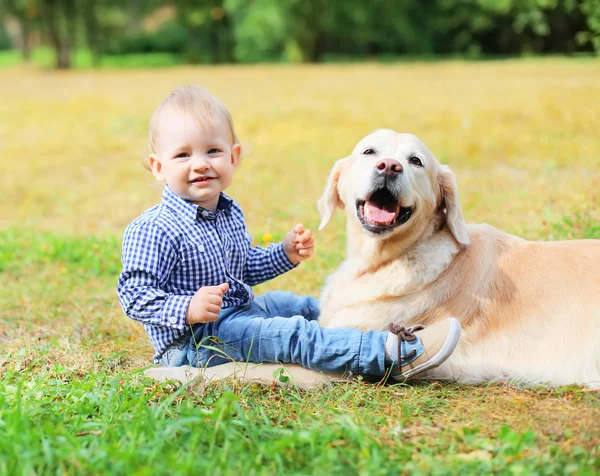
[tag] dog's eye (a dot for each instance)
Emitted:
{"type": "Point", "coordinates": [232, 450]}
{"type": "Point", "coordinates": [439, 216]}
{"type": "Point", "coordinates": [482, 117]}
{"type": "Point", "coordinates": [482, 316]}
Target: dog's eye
{"type": "Point", "coordinates": [369, 151]}
{"type": "Point", "coordinates": [416, 161]}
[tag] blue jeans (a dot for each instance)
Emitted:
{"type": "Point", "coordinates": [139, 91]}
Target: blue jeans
{"type": "Point", "coordinates": [280, 327]}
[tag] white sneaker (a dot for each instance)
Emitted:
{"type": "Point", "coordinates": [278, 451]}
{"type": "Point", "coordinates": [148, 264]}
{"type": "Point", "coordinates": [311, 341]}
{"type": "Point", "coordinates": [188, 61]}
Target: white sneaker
{"type": "Point", "coordinates": [437, 342]}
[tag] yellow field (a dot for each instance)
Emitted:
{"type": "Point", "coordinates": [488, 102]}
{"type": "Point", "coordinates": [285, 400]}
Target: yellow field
{"type": "Point", "coordinates": [523, 137]}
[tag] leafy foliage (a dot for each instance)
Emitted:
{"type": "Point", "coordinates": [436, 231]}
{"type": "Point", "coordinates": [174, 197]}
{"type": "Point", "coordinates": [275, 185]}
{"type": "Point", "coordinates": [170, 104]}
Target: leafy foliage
{"type": "Point", "coordinates": [591, 9]}
{"type": "Point", "coordinates": [248, 31]}
{"type": "Point", "coordinates": [4, 40]}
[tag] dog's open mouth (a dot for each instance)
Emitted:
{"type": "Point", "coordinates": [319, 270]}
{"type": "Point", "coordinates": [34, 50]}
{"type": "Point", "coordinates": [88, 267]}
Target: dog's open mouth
{"type": "Point", "coordinates": [382, 212]}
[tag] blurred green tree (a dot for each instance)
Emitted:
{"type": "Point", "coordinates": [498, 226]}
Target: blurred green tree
{"type": "Point", "coordinates": [306, 30]}
{"type": "Point", "coordinates": [207, 23]}
{"type": "Point", "coordinates": [27, 15]}
{"type": "Point", "coordinates": [511, 26]}
{"type": "Point", "coordinates": [591, 9]}
{"type": "Point", "coordinates": [108, 24]}
{"type": "Point", "coordinates": [220, 31]}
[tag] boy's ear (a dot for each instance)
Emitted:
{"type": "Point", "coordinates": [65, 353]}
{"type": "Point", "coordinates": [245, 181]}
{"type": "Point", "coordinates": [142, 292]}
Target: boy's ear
{"type": "Point", "coordinates": [236, 154]}
{"type": "Point", "coordinates": [330, 200]}
{"type": "Point", "coordinates": [156, 167]}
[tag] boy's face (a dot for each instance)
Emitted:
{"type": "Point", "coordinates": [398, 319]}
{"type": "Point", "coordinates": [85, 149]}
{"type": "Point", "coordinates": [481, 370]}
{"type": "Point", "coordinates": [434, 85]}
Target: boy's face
{"type": "Point", "coordinates": [197, 163]}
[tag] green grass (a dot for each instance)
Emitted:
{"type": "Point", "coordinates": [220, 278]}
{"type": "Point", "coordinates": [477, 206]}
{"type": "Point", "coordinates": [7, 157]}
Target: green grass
{"type": "Point", "coordinates": [82, 59]}
{"type": "Point", "coordinates": [21, 249]}
{"type": "Point", "coordinates": [61, 419]}
{"type": "Point", "coordinates": [88, 410]}
{"type": "Point", "coordinates": [581, 226]}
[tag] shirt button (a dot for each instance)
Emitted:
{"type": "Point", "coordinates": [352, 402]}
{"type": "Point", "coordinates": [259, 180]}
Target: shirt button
{"type": "Point", "coordinates": [201, 248]}
{"type": "Point", "coordinates": [173, 320]}
{"type": "Point", "coordinates": [204, 213]}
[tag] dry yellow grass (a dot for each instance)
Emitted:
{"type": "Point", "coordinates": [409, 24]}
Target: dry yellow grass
{"type": "Point", "coordinates": [522, 137]}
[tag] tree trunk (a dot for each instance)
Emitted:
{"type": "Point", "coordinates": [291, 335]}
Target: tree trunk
{"type": "Point", "coordinates": [308, 27]}
{"type": "Point", "coordinates": [134, 14]}
{"type": "Point", "coordinates": [60, 42]}
{"type": "Point", "coordinates": [218, 34]}
{"type": "Point", "coordinates": [25, 41]}
{"type": "Point", "coordinates": [214, 42]}
{"type": "Point", "coordinates": [194, 45]}
{"type": "Point", "coordinates": [93, 34]}
{"type": "Point", "coordinates": [227, 40]}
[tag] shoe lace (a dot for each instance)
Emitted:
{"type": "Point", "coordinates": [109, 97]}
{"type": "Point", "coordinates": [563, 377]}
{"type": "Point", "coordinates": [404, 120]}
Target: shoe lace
{"type": "Point", "coordinates": [404, 335]}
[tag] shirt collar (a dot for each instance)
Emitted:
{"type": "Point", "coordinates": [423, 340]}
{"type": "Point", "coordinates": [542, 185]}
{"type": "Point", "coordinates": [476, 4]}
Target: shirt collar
{"type": "Point", "coordinates": [190, 210]}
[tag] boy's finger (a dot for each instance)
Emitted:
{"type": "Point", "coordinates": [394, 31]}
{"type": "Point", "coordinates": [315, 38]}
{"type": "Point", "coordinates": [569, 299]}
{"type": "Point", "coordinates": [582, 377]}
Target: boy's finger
{"type": "Point", "coordinates": [299, 228]}
{"type": "Point", "coordinates": [211, 317]}
{"type": "Point", "coordinates": [213, 309]}
{"type": "Point", "coordinates": [306, 242]}
{"type": "Point", "coordinates": [224, 287]}
{"type": "Point", "coordinates": [305, 252]}
{"type": "Point", "coordinates": [216, 299]}
{"type": "Point", "coordinates": [304, 236]}
{"type": "Point", "coordinates": [306, 245]}
{"type": "Point", "coordinates": [218, 290]}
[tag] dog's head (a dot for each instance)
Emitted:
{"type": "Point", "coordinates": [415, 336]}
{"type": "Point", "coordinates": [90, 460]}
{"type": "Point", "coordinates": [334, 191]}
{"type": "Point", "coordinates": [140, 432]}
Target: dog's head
{"type": "Point", "coordinates": [392, 182]}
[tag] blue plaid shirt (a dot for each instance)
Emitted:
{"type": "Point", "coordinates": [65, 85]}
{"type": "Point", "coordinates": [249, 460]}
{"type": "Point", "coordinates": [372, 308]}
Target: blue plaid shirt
{"type": "Point", "coordinates": [174, 249]}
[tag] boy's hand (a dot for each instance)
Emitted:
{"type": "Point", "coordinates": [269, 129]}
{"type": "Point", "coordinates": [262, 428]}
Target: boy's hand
{"type": "Point", "coordinates": [298, 244]}
{"type": "Point", "coordinates": [205, 306]}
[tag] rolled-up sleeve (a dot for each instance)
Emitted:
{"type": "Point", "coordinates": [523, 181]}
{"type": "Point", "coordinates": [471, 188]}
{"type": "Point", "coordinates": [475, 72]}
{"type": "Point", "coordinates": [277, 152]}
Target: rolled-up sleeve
{"type": "Point", "coordinates": [148, 257]}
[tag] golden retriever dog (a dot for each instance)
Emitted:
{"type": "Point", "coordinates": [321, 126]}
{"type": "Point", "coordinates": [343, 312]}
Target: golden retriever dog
{"type": "Point", "coordinates": [529, 311]}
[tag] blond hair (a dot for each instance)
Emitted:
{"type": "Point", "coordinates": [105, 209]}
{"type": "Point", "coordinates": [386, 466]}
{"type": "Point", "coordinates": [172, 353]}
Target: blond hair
{"type": "Point", "coordinates": [203, 106]}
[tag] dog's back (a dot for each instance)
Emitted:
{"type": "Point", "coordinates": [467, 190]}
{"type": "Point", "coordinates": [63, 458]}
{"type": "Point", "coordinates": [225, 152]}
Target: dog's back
{"type": "Point", "coordinates": [530, 312]}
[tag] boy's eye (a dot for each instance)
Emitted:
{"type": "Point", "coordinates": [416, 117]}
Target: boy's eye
{"type": "Point", "coordinates": [182, 155]}
{"type": "Point", "coordinates": [214, 151]}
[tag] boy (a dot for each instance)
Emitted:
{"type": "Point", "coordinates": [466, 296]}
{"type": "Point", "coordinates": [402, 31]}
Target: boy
{"type": "Point", "coordinates": [188, 267]}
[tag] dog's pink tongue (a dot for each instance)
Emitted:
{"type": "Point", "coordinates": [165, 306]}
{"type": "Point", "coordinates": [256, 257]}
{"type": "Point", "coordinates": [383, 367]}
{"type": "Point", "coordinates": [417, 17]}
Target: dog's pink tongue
{"type": "Point", "coordinates": [378, 215]}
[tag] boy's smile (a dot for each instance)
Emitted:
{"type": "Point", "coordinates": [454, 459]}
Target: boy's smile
{"type": "Point", "coordinates": [202, 181]}
{"type": "Point", "coordinates": [197, 161]}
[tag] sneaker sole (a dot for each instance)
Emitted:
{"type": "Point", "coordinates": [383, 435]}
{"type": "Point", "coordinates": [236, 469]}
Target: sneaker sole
{"type": "Point", "coordinates": [439, 358]}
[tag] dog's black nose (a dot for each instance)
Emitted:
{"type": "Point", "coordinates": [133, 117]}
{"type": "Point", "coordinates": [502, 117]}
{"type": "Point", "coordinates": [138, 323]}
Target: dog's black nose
{"type": "Point", "coordinates": [389, 167]}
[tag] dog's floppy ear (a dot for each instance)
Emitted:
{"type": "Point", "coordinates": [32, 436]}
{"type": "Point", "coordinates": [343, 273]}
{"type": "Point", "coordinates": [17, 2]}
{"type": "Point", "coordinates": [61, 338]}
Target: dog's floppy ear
{"type": "Point", "coordinates": [330, 200]}
{"type": "Point", "coordinates": [454, 218]}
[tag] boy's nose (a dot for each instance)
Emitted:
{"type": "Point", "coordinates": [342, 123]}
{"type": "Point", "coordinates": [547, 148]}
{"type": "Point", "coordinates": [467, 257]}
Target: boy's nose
{"type": "Point", "coordinates": [200, 163]}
